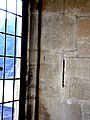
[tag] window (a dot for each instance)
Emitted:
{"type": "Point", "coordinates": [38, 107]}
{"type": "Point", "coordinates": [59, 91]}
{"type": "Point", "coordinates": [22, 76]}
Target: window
{"type": "Point", "coordinates": [10, 58]}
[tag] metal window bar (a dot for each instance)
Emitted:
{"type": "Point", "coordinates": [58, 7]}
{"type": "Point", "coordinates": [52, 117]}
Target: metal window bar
{"type": "Point", "coordinates": [11, 79]}
{"type": "Point", "coordinates": [14, 62]}
{"type": "Point", "coordinates": [25, 6]}
{"type": "Point", "coordinates": [9, 102]}
{"type": "Point", "coordinates": [11, 34]}
{"type": "Point", "coordinates": [9, 56]}
{"type": "Point", "coordinates": [4, 63]}
{"type": "Point", "coordinates": [10, 12]}
{"type": "Point", "coordinates": [5, 56]}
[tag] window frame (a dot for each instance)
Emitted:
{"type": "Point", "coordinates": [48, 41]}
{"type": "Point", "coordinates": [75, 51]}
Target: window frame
{"type": "Point", "coordinates": [25, 6]}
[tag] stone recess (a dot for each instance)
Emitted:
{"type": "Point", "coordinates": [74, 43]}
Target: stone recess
{"type": "Point", "coordinates": [77, 78]}
{"type": "Point", "coordinates": [58, 32]}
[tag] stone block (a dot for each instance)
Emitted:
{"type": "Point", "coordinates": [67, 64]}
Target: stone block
{"type": "Point", "coordinates": [77, 78]}
{"type": "Point", "coordinates": [86, 116]}
{"type": "Point", "coordinates": [45, 41]}
{"type": "Point", "coordinates": [53, 108]}
{"type": "Point", "coordinates": [50, 88]}
{"type": "Point", "coordinates": [48, 57]}
{"type": "Point", "coordinates": [78, 90]}
{"type": "Point", "coordinates": [71, 112]}
{"type": "Point", "coordinates": [51, 66]}
{"type": "Point", "coordinates": [86, 108]}
{"type": "Point", "coordinates": [77, 7]}
{"type": "Point", "coordinates": [86, 111]}
{"type": "Point", "coordinates": [83, 27]}
{"type": "Point", "coordinates": [60, 111]}
{"type": "Point", "coordinates": [70, 54]}
{"type": "Point", "coordinates": [58, 33]}
{"type": "Point", "coordinates": [50, 84]}
{"type": "Point", "coordinates": [83, 49]}
{"type": "Point", "coordinates": [52, 6]}
{"type": "Point", "coordinates": [50, 71]}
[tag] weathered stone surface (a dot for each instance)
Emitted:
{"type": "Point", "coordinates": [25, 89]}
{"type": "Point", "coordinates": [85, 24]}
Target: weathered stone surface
{"type": "Point", "coordinates": [53, 108]}
{"type": "Point", "coordinates": [50, 84]}
{"type": "Point", "coordinates": [78, 7]}
{"type": "Point", "coordinates": [71, 112]}
{"type": "Point", "coordinates": [75, 3]}
{"type": "Point", "coordinates": [52, 5]}
{"type": "Point", "coordinates": [48, 57]}
{"type": "Point", "coordinates": [70, 54]}
{"type": "Point", "coordinates": [83, 49]}
{"type": "Point", "coordinates": [86, 108]}
{"type": "Point", "coordinates": [77, 78]}
{"type": "Point", "coordinates": [50, 98]}
{"type": "Point", "coordinates": [33, 57]}
{"type": "Point", "coordinates": [51, 66]}
{"type": "Point", "coordinates": [83, 27]}
{"type": "Point", "coordinates": [65, 34]}
{"type": "Point", "coordinates": [43, 113]}
{"type": "Point", "coordinates": [57, 32]}
{"type": "Point", "coordinates": [86, 111]}
{"type": "Point", "coordinates": [83, 37]}
{"type": "Point", "coordinates": [86, 116]}
{"type": "Point", "coordinates": [34, 32]}
{"type": "Point", "coordinates": [50, 88]}
{"type": "Point", "coordinates": [83, 40]}
{"type": "Point", "coordinates": [50, 71]}
{"type": "Point", "coordinates": [78, 90]}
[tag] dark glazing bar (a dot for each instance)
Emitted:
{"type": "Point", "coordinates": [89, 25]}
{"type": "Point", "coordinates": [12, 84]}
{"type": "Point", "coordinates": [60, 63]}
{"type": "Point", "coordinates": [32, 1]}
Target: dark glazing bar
{"type": "Point", "coordinates": [10, 34]}
{"type": "Point", "coordinates": [14, 62]}
{"type": "Point", "coordinates": [10, 12]}
{"type": "Point", "coordinates": [9, 102]}
{"type": "Point", "coordinates": [4, 61]}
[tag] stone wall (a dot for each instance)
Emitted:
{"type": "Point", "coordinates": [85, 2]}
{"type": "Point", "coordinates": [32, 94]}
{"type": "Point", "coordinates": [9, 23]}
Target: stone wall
{"type": "Point", "coordinates": [65, 36]}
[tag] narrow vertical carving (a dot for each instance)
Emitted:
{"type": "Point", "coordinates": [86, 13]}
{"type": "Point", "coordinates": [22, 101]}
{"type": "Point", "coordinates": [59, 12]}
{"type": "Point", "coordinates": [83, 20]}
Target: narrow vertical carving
{"type": "Point", "coordinates": [63, 84]}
